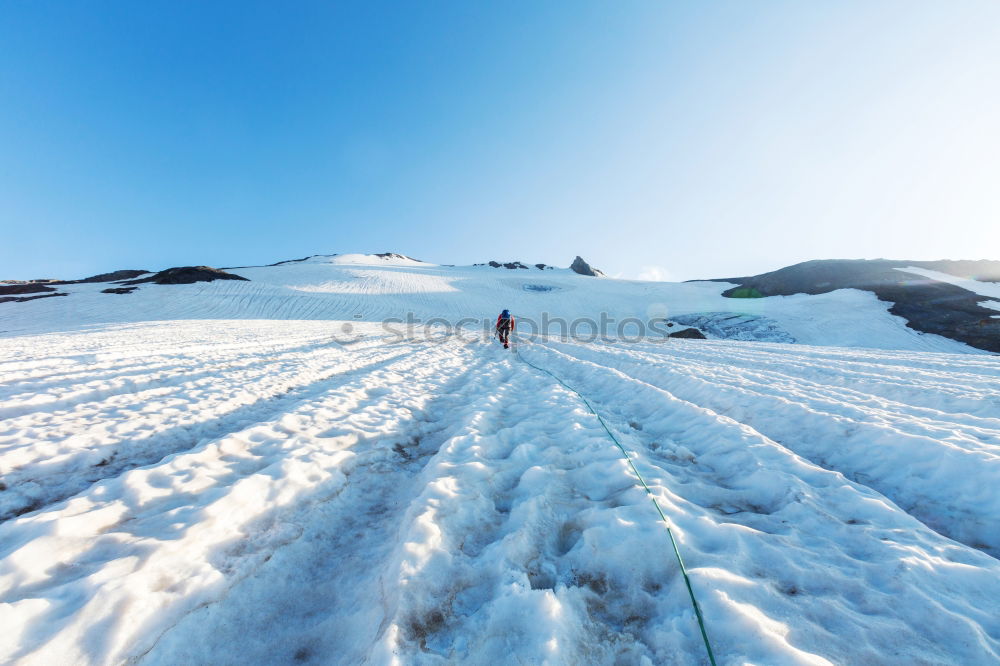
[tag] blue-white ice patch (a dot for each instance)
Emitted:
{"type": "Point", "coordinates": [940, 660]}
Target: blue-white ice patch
{"type": "Point", "coordinates": [735, 326]}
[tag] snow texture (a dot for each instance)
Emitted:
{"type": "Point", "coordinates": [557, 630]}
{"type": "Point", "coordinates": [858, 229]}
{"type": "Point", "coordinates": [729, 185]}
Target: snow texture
{"type": "Point", "coordinates": [234, 490]}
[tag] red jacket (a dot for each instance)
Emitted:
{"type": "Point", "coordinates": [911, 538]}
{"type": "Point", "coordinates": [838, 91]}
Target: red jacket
{"type": "Point", "coordinates": [500, 319]}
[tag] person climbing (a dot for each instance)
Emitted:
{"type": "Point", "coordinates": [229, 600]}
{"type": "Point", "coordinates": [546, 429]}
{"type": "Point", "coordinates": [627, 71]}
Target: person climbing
{"type": "Point", "coordinates": [505, 326]}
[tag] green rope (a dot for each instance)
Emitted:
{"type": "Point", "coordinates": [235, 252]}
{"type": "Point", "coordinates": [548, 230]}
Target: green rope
{"type": "Point", "coordinates": [663, 517]}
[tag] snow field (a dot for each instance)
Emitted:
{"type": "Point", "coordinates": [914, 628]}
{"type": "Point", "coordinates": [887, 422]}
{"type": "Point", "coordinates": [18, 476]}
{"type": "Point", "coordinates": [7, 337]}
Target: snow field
{"type": "Point", "coordinates": [200, 485]}
{"type": "Point", "coordinates": [939, 463]}
{"type": "Point", "coordinates": [130, 409]}
{"type": "Point", "coordinates": [166, 539]}
{"type": "Point", "coordinates": [372, 289]}
{"type": "Point", "coordinates": [797, 529]}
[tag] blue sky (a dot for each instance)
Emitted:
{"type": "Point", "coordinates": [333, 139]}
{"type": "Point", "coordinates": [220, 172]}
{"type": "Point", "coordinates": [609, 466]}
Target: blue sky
{"type": "Point", "coordinates": [656, 139]}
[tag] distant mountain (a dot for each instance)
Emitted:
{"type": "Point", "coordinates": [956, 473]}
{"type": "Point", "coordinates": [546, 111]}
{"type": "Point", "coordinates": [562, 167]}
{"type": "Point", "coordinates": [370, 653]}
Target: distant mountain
{"type": "Point", "coordinates": [852, 303]}
{"type": "Point", "coordinates": [942, 297]}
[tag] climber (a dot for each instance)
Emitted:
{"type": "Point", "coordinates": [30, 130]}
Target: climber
{"type": "Point", "coordinates": [505, 326]}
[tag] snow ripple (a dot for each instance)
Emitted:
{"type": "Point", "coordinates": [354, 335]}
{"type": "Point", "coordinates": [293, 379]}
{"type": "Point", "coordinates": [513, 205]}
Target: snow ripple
{"type": "Point", "coordinates": [200, 485]}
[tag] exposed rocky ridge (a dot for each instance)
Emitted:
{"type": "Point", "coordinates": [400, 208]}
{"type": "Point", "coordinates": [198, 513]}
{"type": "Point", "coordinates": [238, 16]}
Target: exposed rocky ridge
{"type": "Point", "coordinates": [22, 299]}
{"type": "Point", "coordinates": [510, 265]}
{"type": "Point", "coordinates": [178, 275]}
{"type": "Point", "coordinates": [927, 305]}
{"type": "Point", "coordinates": [115, 276]}
{"type": "Point", "coordinates": [124, 274]}
{"type": "Point", "coordinates": [24, 288]}
{"type": "Point", "coordinates": [278, 263]}
{"type": "Point", "coordinates": [583, 268]}
{"type": "Point", "coordinates": [187, 275]}
{"type": "Point", "coordinates": [514, 265]}
{"type": "Point", "coordinates": [395, 255]}
{"type": "Point", "coordinates": [983, 270]}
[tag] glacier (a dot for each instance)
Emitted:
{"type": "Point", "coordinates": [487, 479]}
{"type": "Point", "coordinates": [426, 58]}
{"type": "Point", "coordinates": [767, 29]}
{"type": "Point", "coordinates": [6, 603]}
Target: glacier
{"type": "Point", "coordinates": [265, 472]}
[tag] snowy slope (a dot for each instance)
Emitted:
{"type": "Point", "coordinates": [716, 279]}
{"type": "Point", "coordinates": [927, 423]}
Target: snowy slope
{"type": "Point", "coordinates": [371, 288]}
{"type": "Point", "coordinates": [218, 488]}
{"type": "Point", "coordinates": [983, 288]}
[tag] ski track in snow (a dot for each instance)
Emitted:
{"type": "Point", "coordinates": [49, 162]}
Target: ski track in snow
{"type": "Point", "coordinates": [185, 487]}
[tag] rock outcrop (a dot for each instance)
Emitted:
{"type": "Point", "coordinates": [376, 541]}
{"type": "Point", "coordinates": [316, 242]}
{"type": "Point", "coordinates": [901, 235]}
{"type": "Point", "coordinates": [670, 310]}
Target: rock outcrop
{"type": "Point", "coordinates": [22, 299]}
{"type": "Point", "coordinates": [12, 293]}
{"type": "Point", "coordinates": [583, 268]}
{"type": "Point", "coordinates": [23, 288]}
{"type": "Point", "coordinates": [187, 275]}
{"type": "Point", "coordinates": [396, 255]}
{"type": "Point", "coordinates": [512, 265]}
{"type": "Point", "coordinates": [114, 276]}
{"type": "Point", "coordinates": [688, 333]}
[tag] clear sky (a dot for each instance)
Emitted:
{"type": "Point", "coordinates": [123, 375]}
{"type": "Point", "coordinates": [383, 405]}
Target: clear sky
{"type": "Point", "coordinates": [656, 139]}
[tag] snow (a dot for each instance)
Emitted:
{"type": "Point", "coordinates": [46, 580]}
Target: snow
{"type": "Point", "coordinates": [367, 259]}
{"type": "Point", "coordinates": [982, 288]}
{"type": "Point", "coordinates": [372, 289]}
{"type": "Point", "coordinates": [244, 472]}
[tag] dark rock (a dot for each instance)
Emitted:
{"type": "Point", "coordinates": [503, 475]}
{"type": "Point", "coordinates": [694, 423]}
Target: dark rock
{"type": "Point", "coordinates": [583, 268]}
{"type": "Point", "coordinates": [511, 265]}
{"type": "Point", "coordinates": [542, 267]}
{"type": "Point", "coordinates": [187, 275]}
{"type": "Point", "coordinates": [119, 290]}
{"type": "Point", "coordinates": [116, 276]}
{"type": "Point", "coordinates": [26, 288]}
{"type": "Point", "coordinates": [927, 305]}
{"type": "Point", "coordinates": [394, 255]}
{"type": "Point", "coordinates": [279, 263]}
{"type": "Point", "coordinates": [125, 274]}
{"type": "Point", "coordinates": [22, 299]}
{"type": "Point", "coordinates": [983, 270]}
{"type": "Point", "coordinates": [689, 334]}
